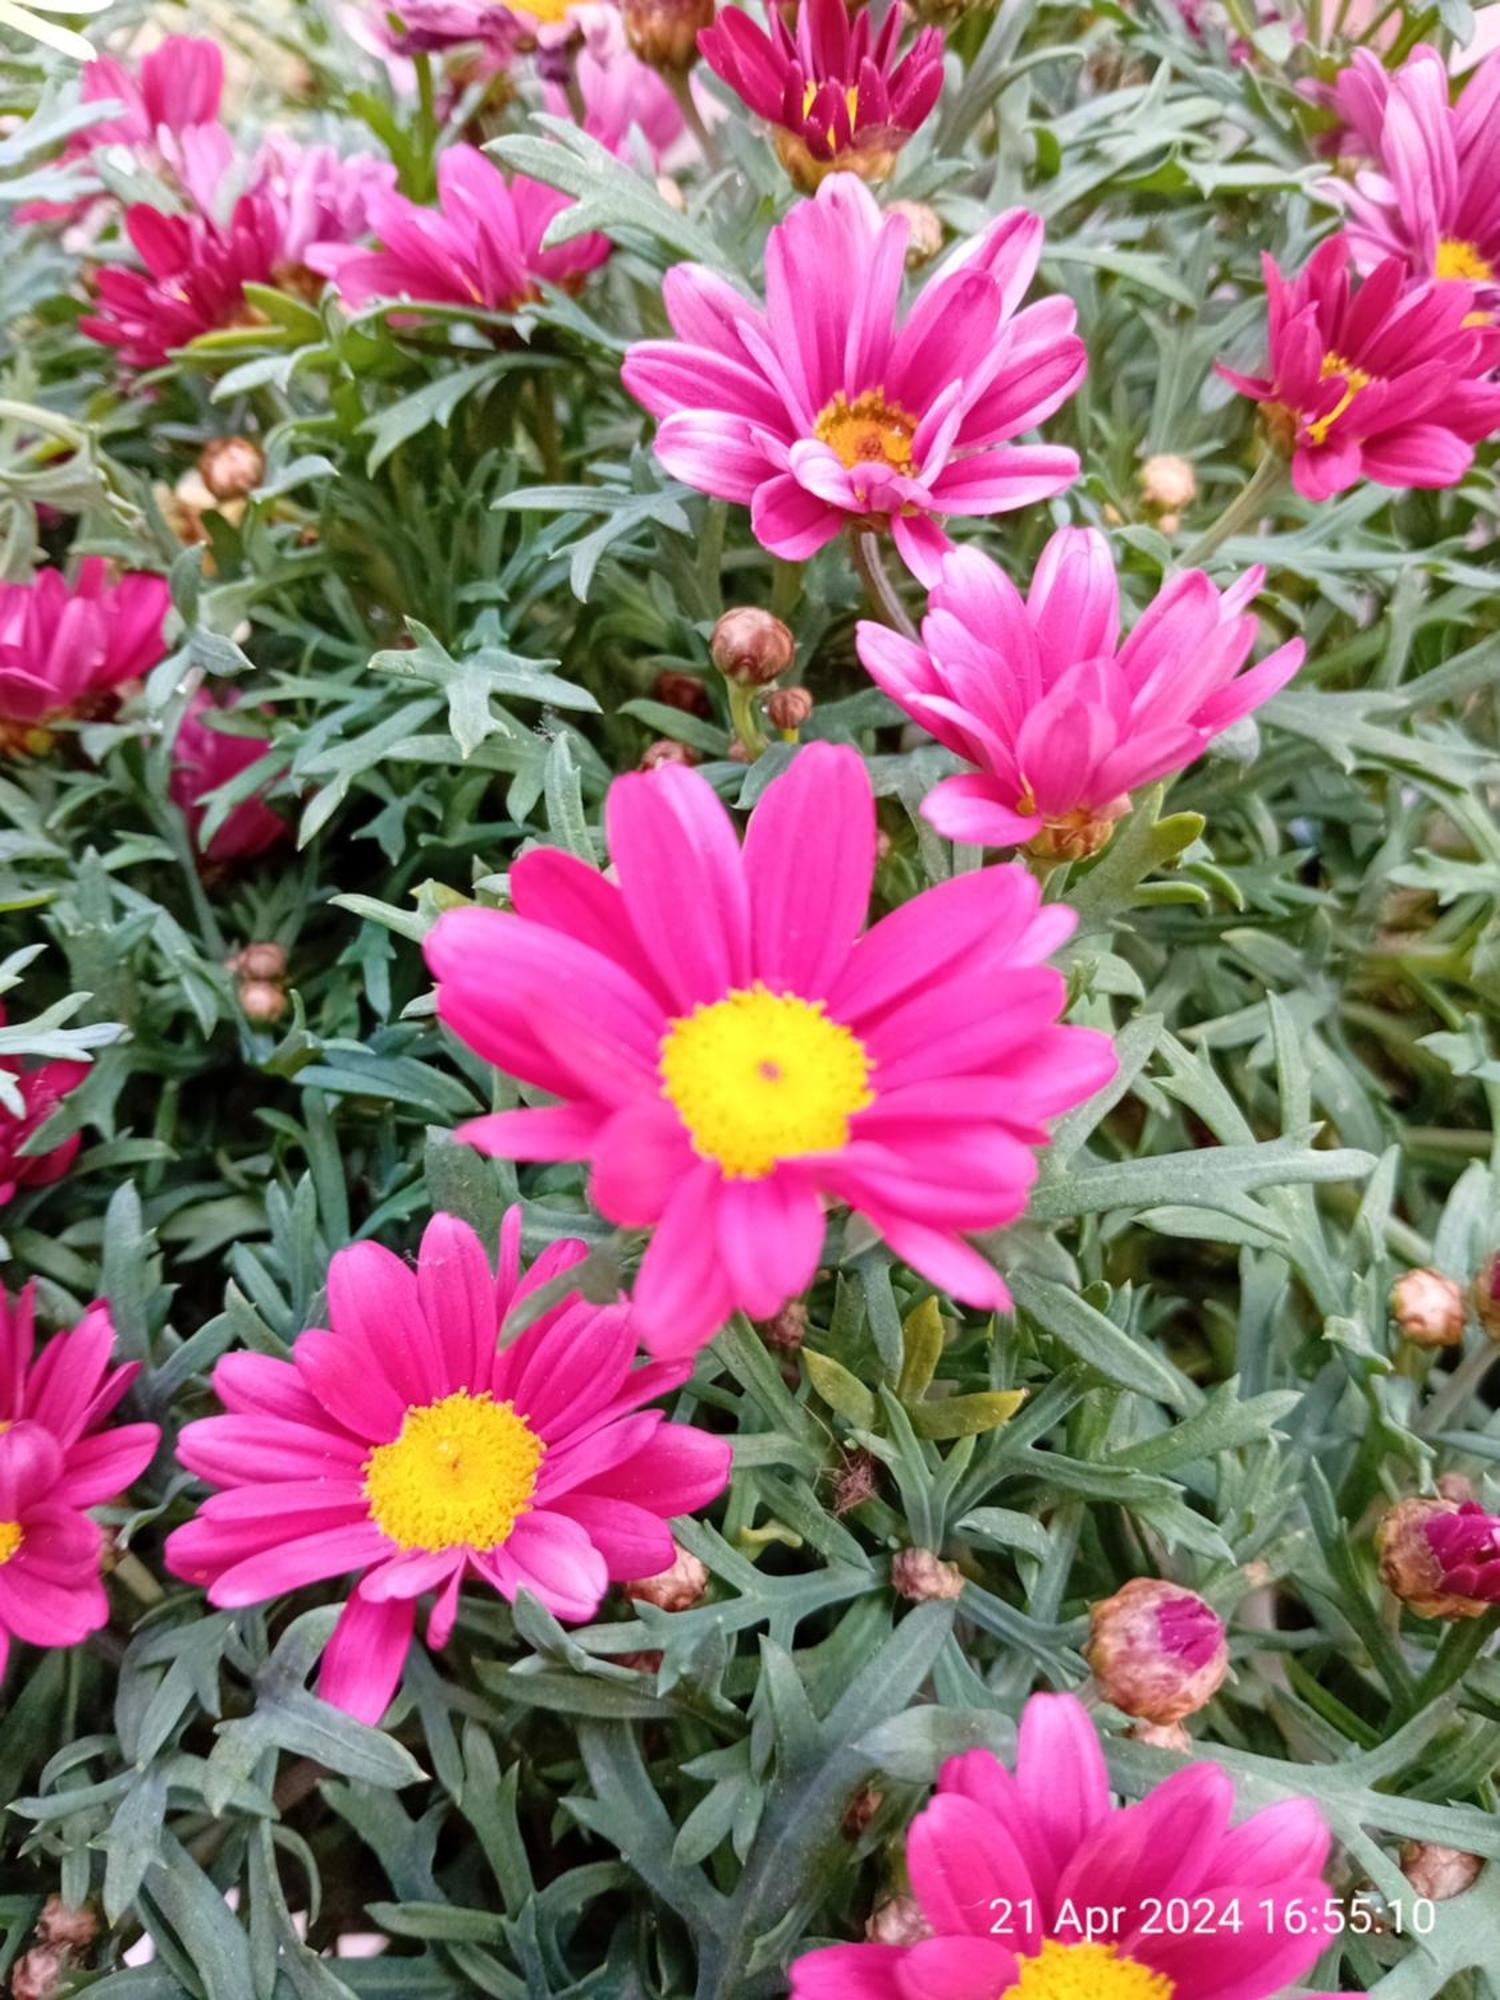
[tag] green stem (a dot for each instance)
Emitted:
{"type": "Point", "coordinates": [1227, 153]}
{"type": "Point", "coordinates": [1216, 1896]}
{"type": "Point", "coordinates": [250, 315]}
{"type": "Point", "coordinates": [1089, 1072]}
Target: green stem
{"type": "Point", "coordinates": [548, 442]}
{"type": "Point", "coordinates": [1247, 510]}
{"type": "Point", "coordinates": [679, 82]}
{"type": "Point", "coordinates": [746, 721]}
{"type": "Point", "coordinates": [137, 1579]}
{"type": "Point", "coordinates": [864, 545]}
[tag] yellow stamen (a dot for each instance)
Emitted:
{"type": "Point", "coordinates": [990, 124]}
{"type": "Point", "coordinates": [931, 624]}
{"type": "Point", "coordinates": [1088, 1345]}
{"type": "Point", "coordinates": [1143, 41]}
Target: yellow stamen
{"type": "Point", "coordinates": [1457, 259]}
{"type": "Point", "coordinates": [1087, 1972]}
{"type": "Point", "coordinates": [1355, 379]}
{"type": "Point", "coordinates": [10, 1540]}
{"type": "Point", "coordinates": [851, 98]}
{"type": "Point", "coordinates": [460, 1474]}
{"type": "Point", "coordinates": [868, 431]}
{"type": "Point", "coordinates": [759, 1077]}
{"type": "Point", "coordinates": [549, 11]}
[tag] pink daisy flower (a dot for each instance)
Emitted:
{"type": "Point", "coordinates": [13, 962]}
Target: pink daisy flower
{"type": "Point", "coordinates": [1005, 1863]}
{"type": "Point", "coordinates": [730, 1050]}
{"type": "Point", "coordinates": [1382, 380]}
{"type": "Point", "coordinates": [1062, 720]}
{"type": "Point", "coordinates": [481, 245]}
{"type": "Point", "coordinates": [621, 93]}
{"type": "Point", "coordinates": [826, 410]}
{"type": "Point", "coordinates": [428, 27]}
{"type": "Point", "coordinates": [196, 268]}
{"type": "Point", "coordinates": [841, 94]}
{"type": "Point", "coordinates": [40, 1090]}
{"type": "Point", "coordinates": [203, 758]}
{"type": "Point", "coordinates": [64, 647]}
{"type": "Point", "coordinates": [56, 1459]}
{"type": "Point", "coordinates": [1432, 196]}
{"type": "Point", "coordinates": [408, 1446]}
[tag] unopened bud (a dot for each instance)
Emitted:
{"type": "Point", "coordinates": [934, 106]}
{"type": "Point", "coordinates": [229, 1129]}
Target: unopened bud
{"type": "Point", "coordinates": [664, 33]}
{"type": "Point", "coordinates": [231, 467]}
{"type": "Point", "coordinates": [1486, 1295]}
{"type": "Point", "coordinates": [752, 646]}
{"type": "Point", "coordinates": [263, 1001]}
{"type": "Point", "coordinates": [898, 1922]}
{"type": "Point", "coordinates": [926, 231]}
{"type": "Point", "coordinates": [788, 709]}
{"type": "Point", "coordinates": [682, 691]}
{"type": "Point", "coordinates": [1428, 1308]}
{"type": "Point", "coordinates": [1077, 835]}
{"type": "Point", "coordinates": [1160, 1735]}
{"type": "Point", "coordinates": [641, 1663]}
{"type": "Point", "coordinates": [1411, 1564]}
{"type": "Point", "coordinates": [860, 1810]}
{"type": "Point", "coordinates": [785, 1333]}
{"type": "Point", "coordinates": [1157, 1650]}
{"type": "Point", "coordinates": [1168, 481]}
{"type": "Point", "coordinates": [1439, 1873]}
{"type": "Point", "coordinates": [67, 1928]}
{"type": "Point", "coordinates": [678, 1588]}
{"type": "Point", "coordinates": [39, 1975]}
{"type": "Point", "coordinates": [261, 961]}
{"type": "Point", "coordinates": [922, 1576]}
{"type": "Point", "coordinates": [666, 750]}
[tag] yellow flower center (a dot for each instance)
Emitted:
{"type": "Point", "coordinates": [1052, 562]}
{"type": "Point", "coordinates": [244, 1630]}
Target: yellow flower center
{"type": "Point", "coordinates": [1087, 1972]}
{"type": "Point", "coordinates": [1457, 259]}
{"type": "Point", "coordinates": [460, 1475]}
{"type": "Point", "coordinates": [550, 11]}
{"type": "Point", "coordinates": [868, 431]}
{"type": "Point", "coordinates": [759, 1077]}
{"type": "Point", "coordinates": [851, 98]}
{"type": "Point", "coordinates": [10, 1540]}
{"type": "Point", "coordinates": [1355, 379]}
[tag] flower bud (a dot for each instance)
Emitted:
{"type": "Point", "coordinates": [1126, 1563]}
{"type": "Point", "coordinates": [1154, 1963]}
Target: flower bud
{"type": "Point", "coordinates": [860, 1810]}
{"type": "Point", "coordinates": [1157, 1650]}
{"type": "Point", "coordinates": [926, 237]}
{"type": "Point", "coordinates": [682, 691]}
{"type": "Point", "coordinates": [1422, 1544]}
{"type": "Point", "coordinates": [666, 750]}
{"type": "Point", "coordinates": [66, 1928]}
{"type": "Point", "coordinates": [1078, 834]}
{"type": "Point", "coordinates": [1486, 1295]}
{"type": "Point", "coordinates": [857, 1481]}
{"type": "Point", "coordinates": [641, 1663]}
{"type": "Point", "coordinates": [785, 1333]}
{"type": "Point", "coordinates": [1168, 481]}
{"type": "Point", "coordinates": [922, 1576]}
{"type": "Point", "coordinates": [39, 1975]}
{"type": "Point", "coordinates": [1428, 1308]}
{"type": "Point", "coordinates": [264, 1002]}
{"type": "Point", "coordinates": [261, 961]}
{"type": "Point", "coordinates": [664, 33]}
{"type": "Point", "coordinates": [678, 1588]}
{"type": "Point", "coordinates": [788, 709]}
{"type": "Point", "coordinates": [1439, 1873]}
{"type": "Point", "coordinates": [751, 647]}
{"type": "Point", "coordinates": [899, 1922]}
{"type": "Point", "coordinates": [231, 467]}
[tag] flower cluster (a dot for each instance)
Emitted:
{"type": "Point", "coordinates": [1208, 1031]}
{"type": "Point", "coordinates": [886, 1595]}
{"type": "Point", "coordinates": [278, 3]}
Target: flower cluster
{"type": "Point", "coordinates": [66, 649]}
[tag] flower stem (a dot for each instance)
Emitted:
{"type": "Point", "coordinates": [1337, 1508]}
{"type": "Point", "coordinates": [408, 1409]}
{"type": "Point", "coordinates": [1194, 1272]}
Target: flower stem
{"type": "Point", "coordinates": [746, 721]}
{"type": "Point", "coordinates": [680, 83]}
{"type": "Point", "coordinates": [137, 1579]}
{"type": "Point", "coordinates": [864, 545]}
{"type": "Point", "coordinates": [1248, 508]}
{"type": "Point", "coordinates": [548, 443]}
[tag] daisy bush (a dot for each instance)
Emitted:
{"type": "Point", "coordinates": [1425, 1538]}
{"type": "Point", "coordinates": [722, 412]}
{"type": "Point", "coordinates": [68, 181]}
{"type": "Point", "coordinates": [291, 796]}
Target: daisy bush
{"type": "Point", "coordinates": [749, 1000]}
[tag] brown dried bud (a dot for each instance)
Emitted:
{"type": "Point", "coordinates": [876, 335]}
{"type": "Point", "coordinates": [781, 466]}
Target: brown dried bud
{"type": "Point", "coordinates": [922, 1576]}
{"type": "Point", "coordinates": [38, 1976]}
{"type": "Point", "coordinates": [231, 467]}
{"type": "Point", "coordinates": [926, 237]}
{"type": "Point", "coordinates": [678, 1588]}
{"type": "Point", "coordinates": [1439, 1873]}
{"type": "Point", "coordinates": [785, 1333]}
{"type": "Point", "coordinates": [261, 961]}
{"type": "Point", "coordinates": [682, 691]}
{"type": "Point", "coordinates": [664, 33]}
{"type": "Point", "coordinates": [1078, 834]}
{"type": "Point", "coordinates": [1157, 1650]}
{"type": "Point", "coordinates": [857, 1481]}
{"type": "Point", "coordinates": [1486, 1295]}
{"type": "Point", "coordinates": [1428, 1308]}
{"type": "Point", "coordinates": [1160, 1735]}
{"type": "Point", "coordinates": [789, 708]}
{"type": "Point", "coordinates": [666, 750]}
{"type": "Point", "coordinates": [1410, 1566]}
{"type": "Point", "coordinates": [1168, 481]}
{"type": "Point", "coordinates": [860, 1810]}
{"type": "Point", "coordinates": [751, 646]}
{"type": "Point", "coordinates": [263, 1001]}
{"type": "Point", "coordinates": [66, 1928]}
{"type": "Point", "coordinates": [898, 1922]}
{"type": "Point", "coordinates": [642, 1663]}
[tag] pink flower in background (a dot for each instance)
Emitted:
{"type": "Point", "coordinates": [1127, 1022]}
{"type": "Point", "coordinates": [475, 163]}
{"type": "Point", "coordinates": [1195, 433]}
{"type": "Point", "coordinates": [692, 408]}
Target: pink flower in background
{"type": "Point", "coordinates": [203, 758]}
{"type": "Point", "coordinates": [729, 1050]}
{"type": "Point", "coordinates": [64, 646]}
{"type": "Point", "coordinates": [840, 92]}
{"type": "Point", "coordinates": [428, 27]}
{"type": "Point", "coordinates": [408, 1446]}
{"type": "Point", "coordinates": [196, 268]}
{"type": "Point", "coordinates": [1061, 719]}
{"type": "Point", "coordinates": [1005, 1862]}
{"type": "Point", "coordinates": [621, 93]}
{"type": "Point", "coordinates": [1382, 380]}
{"type": "Point", "coordinates": [481, 246]}
{"type": "Point", "coordinates": [41, 1090]}
{"type": "Point", "coordinates": [56, 1460]}
{"type": "Point", "coordinates": [827, 410]}
{"type": "Point", "coordinates": [1432, 196]}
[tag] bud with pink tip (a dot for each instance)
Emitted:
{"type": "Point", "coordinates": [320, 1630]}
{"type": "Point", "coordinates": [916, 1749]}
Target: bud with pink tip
{"type": "Point", "coordinates": [666, 750]}
{"type": "Point", "coordinates": [1428, 1308]}
{"type": "Point", "coordinates": [231, 467]}
{"type": "Point", "coordinates": [1157, 1650]}
{"type": "Point", "coordinates": [1485, 1294]}
{"type": "Point", "coordinates": [664, 33]}
{"type": "Point", "coordinates": [789, 708]}
{"type": "Point", "coordinates": [1441, 1558]}
{"type": "Point", "coordinates": [39, 1975]}
{"type": "Point", "coordinates": [922, 1576]}
{"type": "Point", "coordinates": [1439, 1873]}
{"type": "Point", "coordinates": [266, 960]}
{"type": "Point", "coordinates": [1168, 481]}
{"type": "Point", "coordinates": [899, 1922]}
{"type": "Point", "coordinates": [786, 1332]}
{"type": "Point", "coordinates": [752, 647]}
{"type": "Point", "coordinates": [263, 1001]}
{"type": "Point", "coordinates": [66, 1928]}
{"type": "Point", "coordinates": [677, 1588]}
